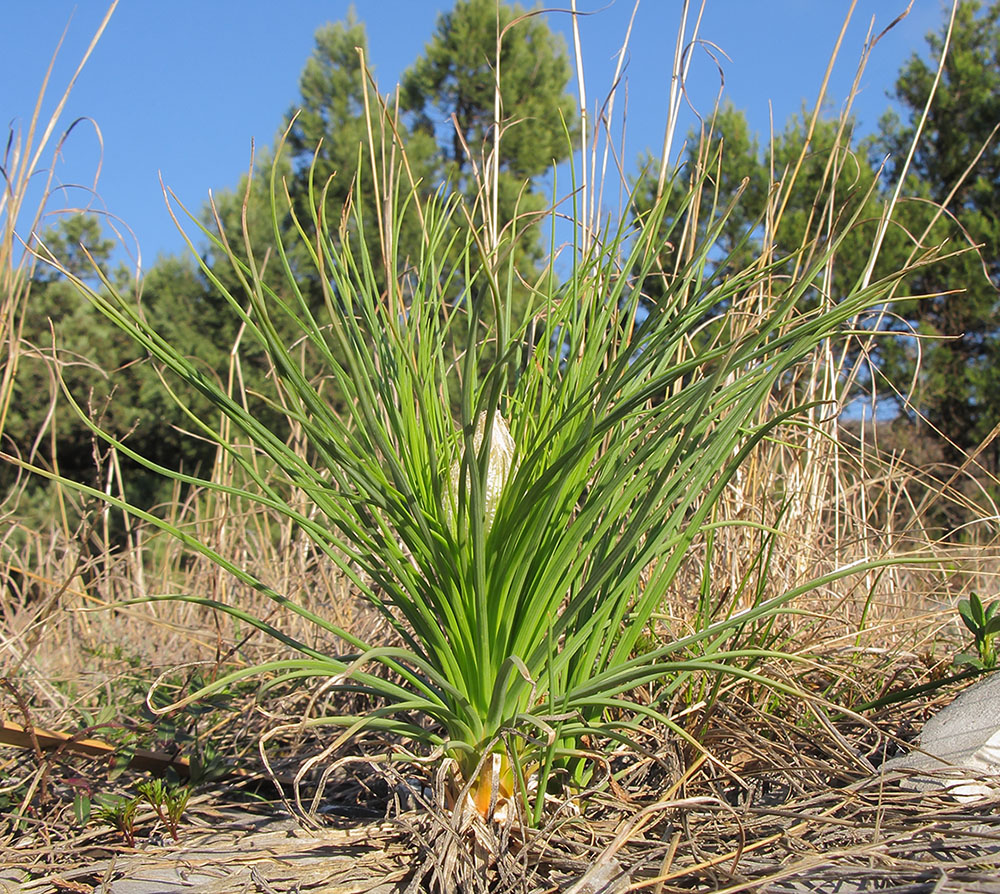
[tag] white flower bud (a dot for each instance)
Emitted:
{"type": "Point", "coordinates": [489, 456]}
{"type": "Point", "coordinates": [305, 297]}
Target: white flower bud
{"type": "Point", "coordinates": [501, 460]}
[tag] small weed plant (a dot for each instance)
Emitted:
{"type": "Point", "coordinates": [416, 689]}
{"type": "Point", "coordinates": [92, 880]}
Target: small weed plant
{"type": "Point", "coordinates": [119, 812]}
{"type": "Point", "coordinates": [168, 801]}
{"type": "Point", "coordinates": [983, 622]}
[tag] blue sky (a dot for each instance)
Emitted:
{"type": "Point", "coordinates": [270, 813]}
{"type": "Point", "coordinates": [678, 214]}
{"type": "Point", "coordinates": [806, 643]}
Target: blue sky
{"type": "Point", "coordinates": [181, 87]}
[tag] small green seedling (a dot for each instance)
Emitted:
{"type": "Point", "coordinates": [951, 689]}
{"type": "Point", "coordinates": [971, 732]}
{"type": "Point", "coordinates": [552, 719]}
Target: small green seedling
{"type": "Point", "coordinates": [169, 802]}
{"type": "Point", "coordinates": [177, 800]}
{"type": "Point", "coordinates": [984, 623]}
{"type": "Point", "coordinates": [119, 812]}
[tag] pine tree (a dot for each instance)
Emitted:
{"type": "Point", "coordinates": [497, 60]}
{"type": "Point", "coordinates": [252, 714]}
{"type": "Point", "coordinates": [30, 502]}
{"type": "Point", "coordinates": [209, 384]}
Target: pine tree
{"type": "Point", "coordinates": [959, 374]}
{"type": "Point", "coordinates": [450, 92]}
{"type": "Point", "coordinates": [833, 183]}
{"type": "Point", "coordinates": [329, 134]}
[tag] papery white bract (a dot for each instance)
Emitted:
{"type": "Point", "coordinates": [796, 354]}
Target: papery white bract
{"type": "Point", "coordinates": [501, 462]}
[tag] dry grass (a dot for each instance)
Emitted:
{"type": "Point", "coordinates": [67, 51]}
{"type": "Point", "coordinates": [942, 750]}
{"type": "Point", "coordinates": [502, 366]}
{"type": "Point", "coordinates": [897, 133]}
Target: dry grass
{"type": "Point", "coordinates": [788, 799]}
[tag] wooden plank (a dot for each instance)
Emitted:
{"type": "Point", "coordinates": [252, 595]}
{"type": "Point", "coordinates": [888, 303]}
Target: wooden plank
{"type": "Point", "coordinates": [156, 761]}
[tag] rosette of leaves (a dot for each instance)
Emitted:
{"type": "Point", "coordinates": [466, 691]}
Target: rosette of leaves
{"type": "Point", "coordinates": [518, 599]}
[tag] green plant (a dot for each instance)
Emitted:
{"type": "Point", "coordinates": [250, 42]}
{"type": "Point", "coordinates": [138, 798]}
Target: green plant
{"type": "Point", "coordinates": [983, 621]}
{"type": "Point", "coordinates": [516, 498]}
{"type": "Point", "coordinates": [169, 802]}
{"type": "Point", "coordinates": [119, 812]}
{"type": "Point", "coordinates": [514, 583]}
